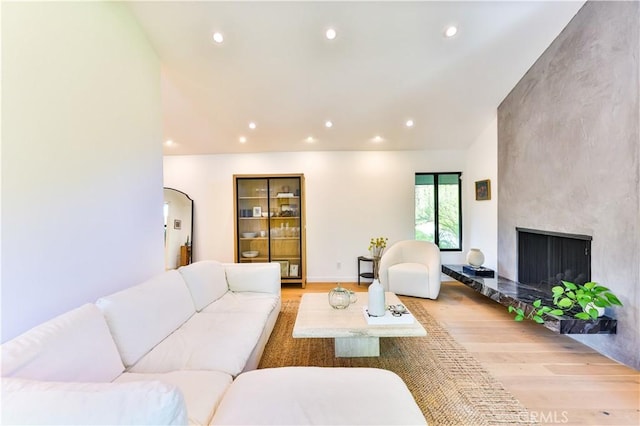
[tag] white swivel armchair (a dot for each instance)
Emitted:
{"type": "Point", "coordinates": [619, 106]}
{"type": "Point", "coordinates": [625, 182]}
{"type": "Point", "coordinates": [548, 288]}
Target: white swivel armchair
{"type": "Point", "coordinates": [411, 268]}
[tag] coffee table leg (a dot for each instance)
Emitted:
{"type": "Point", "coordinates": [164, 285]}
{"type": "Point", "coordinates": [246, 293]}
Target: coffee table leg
{"type": "Point", "coordinates": [357, 346]}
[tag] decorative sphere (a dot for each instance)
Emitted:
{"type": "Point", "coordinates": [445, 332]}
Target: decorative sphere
{"type": "Point", "coordinates": [339, 298]}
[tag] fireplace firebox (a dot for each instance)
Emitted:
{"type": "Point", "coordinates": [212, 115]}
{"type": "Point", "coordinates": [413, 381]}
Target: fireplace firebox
{"type": "Point", "coordinates": [546, 258]}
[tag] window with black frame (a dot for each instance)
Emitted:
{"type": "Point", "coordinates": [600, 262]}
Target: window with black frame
{"type": "Point", "coordinates": [438, 209]}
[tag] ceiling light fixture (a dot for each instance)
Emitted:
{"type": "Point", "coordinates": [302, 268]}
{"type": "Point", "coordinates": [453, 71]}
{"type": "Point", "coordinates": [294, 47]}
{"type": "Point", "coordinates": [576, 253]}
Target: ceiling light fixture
{"type": "Point", "coordinates": [328, 124]}
{"type": "Point", "coordinates": [450, 31]}
{"type": "Point", "coordinates": [409, 123]}
{"type": "Point", "coordinates": [377, 138]}
{"type": "Point", "coordinates": [252, 125]}
{"type": "Point", "coordinates": [310, 139]}
{"type": "Point", "coordinates": [218, 37]}
{"type": "Point", "coordinates": [169, 142]}
{"type": "Point", "coordinates": [330, 34]}
{"type": "Point", "coordinates": [242, 139]}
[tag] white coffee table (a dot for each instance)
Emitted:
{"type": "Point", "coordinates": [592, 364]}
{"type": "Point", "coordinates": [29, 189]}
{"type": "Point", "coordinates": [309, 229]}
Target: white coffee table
{"type": "Point", "coordinates": [353, 336]}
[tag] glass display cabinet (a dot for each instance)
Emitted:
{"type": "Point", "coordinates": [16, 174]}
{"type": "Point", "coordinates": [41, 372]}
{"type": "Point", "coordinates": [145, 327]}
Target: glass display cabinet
{"type": "Point", "coordinates": [269, 223]}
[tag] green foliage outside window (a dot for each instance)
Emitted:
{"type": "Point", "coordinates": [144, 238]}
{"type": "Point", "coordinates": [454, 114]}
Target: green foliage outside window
{"type": "Point", "coordinates": [438, 207]}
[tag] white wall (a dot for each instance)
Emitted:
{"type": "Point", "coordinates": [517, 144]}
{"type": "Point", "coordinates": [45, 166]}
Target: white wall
{"type": "Point", "coordinates": [350, 197]}
{"type": "Point", "coordinates": [481, 217]}
{"type": "Point", "coordinates": [81, 158]}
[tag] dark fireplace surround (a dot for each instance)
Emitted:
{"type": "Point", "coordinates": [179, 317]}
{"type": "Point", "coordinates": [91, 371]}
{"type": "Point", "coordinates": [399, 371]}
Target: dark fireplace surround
{"type": "Point", "coordinates": [546, 258]}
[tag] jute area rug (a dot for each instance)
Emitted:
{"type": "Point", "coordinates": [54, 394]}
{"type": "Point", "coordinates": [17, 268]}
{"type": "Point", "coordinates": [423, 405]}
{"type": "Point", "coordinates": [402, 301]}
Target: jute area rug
{"type": "Point", "coordinates": [447, 382]}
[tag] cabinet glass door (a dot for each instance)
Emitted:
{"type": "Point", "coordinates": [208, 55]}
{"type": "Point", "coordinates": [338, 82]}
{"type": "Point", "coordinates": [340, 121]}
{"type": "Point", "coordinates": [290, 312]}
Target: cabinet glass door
{"type": "Point", "coordinates": [285, 225]}
{"type": "Point", "coordinates": [253, 227]}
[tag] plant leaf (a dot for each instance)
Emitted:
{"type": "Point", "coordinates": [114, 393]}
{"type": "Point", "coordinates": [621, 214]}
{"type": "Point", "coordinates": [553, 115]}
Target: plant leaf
{"type": "Point", "coordinates": [570, 285]}
{"type": "Point", "coordinates": [564, 302]}
{"type": "Point", "coordinates": [557, 312]}
{"type": "Point", "coordinates": [583, 315]}
{"type": "Point", "coordinates": [519, 318]}
{"type": "Point", "coordinates": [537, 303]}
{"type": "Point", "coordinates": [593, 313]}
{"type": "Point", "coordinates": [538, 319]}
{"type": "Point", "coordinates": [511, 309]}
{"type": "Point", "coordinates": [613, 299]}
{"type": "Point", "coordinates": [557, 290]}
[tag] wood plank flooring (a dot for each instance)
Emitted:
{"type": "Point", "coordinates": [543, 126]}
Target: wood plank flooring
{"type": "Point", "coordinates": [544, 370]}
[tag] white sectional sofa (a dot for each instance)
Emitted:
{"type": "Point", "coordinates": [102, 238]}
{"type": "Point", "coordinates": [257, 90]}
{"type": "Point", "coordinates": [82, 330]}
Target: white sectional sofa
{"type": "Point", "coordinates": [167, 351]}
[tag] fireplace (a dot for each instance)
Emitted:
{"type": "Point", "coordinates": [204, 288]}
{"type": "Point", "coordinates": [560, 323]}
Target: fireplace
{"type": "Point", "coordinates": [545, 258]}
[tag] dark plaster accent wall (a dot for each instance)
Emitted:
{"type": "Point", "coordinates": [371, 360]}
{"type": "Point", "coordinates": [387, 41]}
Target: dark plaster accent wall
{"type": "Point", "coordinates": [569, 155]}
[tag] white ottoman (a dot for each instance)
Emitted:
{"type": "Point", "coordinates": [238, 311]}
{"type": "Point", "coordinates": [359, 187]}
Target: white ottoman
{"type": "Point", "coordinates": [409, 279]}
{"type": "Point", "coordinates": [318, 395]}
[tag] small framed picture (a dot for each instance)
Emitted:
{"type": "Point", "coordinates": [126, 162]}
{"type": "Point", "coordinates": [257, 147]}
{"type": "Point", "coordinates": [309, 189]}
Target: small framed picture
{"type": "Point", "coordinates": [257, 211]}
{"type": "Point", "coordinates": [483, 190]}
{"type": "Point", "coordinates": [285, 208]}
{"type": "Point", "coordinates": [293, 270]}
{"type": "Point", "coordinates": [284, 267]}
{"type": "Point", "coordinates": [177, 224]}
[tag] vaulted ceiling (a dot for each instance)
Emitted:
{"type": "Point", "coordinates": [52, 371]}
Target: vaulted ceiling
{"type": "Point", "coordinates": [389, 63]}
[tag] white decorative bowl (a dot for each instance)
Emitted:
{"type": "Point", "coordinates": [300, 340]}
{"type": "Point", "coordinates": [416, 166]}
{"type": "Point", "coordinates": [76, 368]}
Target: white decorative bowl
{"type": "Point", "coordinates": [249, 234]}
{"type": "Point", "coordinates": [252, 253]}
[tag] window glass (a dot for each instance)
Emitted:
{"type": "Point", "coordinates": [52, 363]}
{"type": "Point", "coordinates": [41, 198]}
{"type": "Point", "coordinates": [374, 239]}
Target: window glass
{"type": "Point", "coordinates": [438, 214]}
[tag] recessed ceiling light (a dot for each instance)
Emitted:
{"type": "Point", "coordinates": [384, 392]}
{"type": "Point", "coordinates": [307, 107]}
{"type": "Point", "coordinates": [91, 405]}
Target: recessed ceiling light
{"type": "Point", "coordinates": [328, 124]}
{"type": "Point", "coordinates": [450, 31]}
{"type": "Point", "coordinates": [330, 34]}
{"type": "Point", "coordinates": [377, 138]}
{"type": "Point", "coordinates": [169, 142]}
{"type": "Point", "coordinates": [218, 37]}
{"type": "Point", "coordinates": [252, 125]}
{"type": "Point", "coordinates": [409, 123]}
{"type": "Point", "coordinates": [242, 139]}
{"type": "Point", "coordinates": [310, 139]}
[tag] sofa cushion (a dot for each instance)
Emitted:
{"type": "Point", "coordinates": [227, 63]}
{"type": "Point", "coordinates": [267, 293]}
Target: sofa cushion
{"type": "Point", "coordinates": [35, 402]}
{"type": "Point", "coordinates": [244, 302]}
{"type": "Point", "coordinates": [211, 341]}
{"type": "Point", "coordinates": [255, 277]}
{"type": "Point", "coordinates": [317, 395]}
{"type": "Point", "coordinates": [409, 279]}
{"type": "Point", "coordinates": [206, 281]}
{"type": "Point", "coordinates": [75, 346]}
{"type": "Point", "coordinates": [140, 317]}
{"type": "Point", "coordinates": [202, 390]}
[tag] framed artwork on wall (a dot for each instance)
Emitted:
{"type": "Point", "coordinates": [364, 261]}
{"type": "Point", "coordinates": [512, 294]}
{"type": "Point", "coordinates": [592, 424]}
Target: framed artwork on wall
{"type": "Point", "coordinates": [483, 190]}
{"type": "Point", "coordinates": [177, 224]}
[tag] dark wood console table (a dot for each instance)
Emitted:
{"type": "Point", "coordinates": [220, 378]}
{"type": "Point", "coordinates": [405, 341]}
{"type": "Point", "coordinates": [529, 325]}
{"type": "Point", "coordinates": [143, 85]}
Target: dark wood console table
{"type": "Point", "coordinates": [511, 293]}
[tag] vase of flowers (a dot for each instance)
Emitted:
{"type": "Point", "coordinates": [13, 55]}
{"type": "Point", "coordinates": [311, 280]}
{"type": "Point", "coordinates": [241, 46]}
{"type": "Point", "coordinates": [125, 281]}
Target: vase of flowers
{"type": "Point", "coordinates": [376, 247]}
{"type": "Point", "coordinates": [377, 306]}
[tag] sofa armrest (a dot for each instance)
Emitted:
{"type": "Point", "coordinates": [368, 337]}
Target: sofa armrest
{"type": "Point", "coordinates": [256, 277]}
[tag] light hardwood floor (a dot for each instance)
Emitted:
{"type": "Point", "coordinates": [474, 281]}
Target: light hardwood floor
{"type": "Point", "coordinates": [543, 370]}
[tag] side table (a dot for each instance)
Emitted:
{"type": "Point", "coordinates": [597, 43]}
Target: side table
{"type": "Point", "coordinates": [367, 275]}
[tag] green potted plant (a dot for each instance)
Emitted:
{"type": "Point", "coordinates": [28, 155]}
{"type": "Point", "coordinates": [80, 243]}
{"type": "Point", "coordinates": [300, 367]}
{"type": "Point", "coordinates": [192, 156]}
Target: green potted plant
{"type": "Point", "coordinates": [591, 298]}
